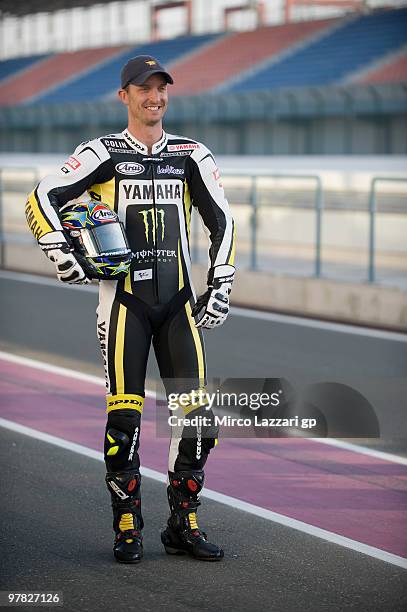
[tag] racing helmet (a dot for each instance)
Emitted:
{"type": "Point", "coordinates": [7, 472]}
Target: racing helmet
{"type": "Point", "coordinates": [98, 239]}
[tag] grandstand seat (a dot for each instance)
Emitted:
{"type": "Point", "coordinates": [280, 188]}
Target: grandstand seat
{"type": "Point", "coordinates": [49, 73]}
{"type": "Point", "coordinates": [392, 71]}
{"type": "Point", "coordinates": [354, 44]}
{"type": "Point", "coordinates": [103, 80]}
{"type": "Point", "coordinates": [12, 67]}
{"type": "Point", "coordinates": [291, 55]}
{"type": "Point", "coordinates": [233, 53]}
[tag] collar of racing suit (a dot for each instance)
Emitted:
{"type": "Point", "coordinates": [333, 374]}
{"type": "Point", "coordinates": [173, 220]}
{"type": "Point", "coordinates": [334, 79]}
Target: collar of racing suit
{"type": "Point", "coordinates": [139, 146]}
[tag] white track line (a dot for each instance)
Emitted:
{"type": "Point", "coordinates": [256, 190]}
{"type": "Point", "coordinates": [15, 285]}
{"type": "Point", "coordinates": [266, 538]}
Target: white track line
{"type": "Point", "coordinates": [41, 365]}
{"type": "Point", "coordinates": [323, 534]}
{"type": "Point", "coordinates": [47, 281]}
{"type": "Point", "coordinates": [248, 313]}
{"type": "Point", "coordinates": [342, 328]}
{"type": "Point", "coordinates": [72, 446]}
{"type": "Point", "coordinates": [53, 369]}
{"type": "Point", "coordinates": [371, 452]}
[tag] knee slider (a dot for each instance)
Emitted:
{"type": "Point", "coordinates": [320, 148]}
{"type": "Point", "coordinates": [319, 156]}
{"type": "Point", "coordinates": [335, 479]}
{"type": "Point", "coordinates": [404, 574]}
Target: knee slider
{"type": "Point", "coordinates": [116, 441]}
{"type": "Point", "coordinates": [121, 440]}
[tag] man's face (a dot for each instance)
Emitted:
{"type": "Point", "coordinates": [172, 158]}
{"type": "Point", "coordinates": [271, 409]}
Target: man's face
{"type": "Point", "coordinates": [148, 102]}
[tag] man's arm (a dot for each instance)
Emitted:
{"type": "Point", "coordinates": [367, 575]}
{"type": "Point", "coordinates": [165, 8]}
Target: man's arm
{"type": "Point", "coordinates": [208, 196]}
{"type": "Point", "coordinates": [90, 164]}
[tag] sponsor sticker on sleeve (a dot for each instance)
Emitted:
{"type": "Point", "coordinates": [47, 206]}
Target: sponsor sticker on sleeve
{"type": "Point", "coordinates": [188, 146]}
{"type": "Point", "coordinates": [71, 164]}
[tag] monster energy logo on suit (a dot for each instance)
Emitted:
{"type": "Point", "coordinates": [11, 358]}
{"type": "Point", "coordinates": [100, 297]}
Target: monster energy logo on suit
{"type": "Point", "coordinates": [149, 218]}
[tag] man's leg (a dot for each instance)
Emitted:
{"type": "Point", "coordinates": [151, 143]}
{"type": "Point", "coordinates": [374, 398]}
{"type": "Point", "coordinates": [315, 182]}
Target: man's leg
{"type": "Point", "coordinates": [125, 341]}
{"type": "Point", "coordinates": [181, 358]}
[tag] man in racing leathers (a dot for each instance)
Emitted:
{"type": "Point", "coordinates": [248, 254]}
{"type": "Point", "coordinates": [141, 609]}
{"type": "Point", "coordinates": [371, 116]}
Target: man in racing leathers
{"type": "Point", "coordinates": [152, 180]}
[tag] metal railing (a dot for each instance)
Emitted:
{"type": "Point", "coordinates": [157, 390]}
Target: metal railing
{"type": "Point", "coordinates": [14, 186]}
{"type": "Point", "coordinates": [318, 205]}
{"type": "Point", "coordinates": [372, 220]}
{"type": "Point", "coordinates": [319, 210]}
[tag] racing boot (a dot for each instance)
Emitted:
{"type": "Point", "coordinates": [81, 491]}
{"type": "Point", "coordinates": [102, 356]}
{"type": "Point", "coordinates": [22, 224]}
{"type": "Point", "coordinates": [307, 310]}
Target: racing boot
{"type": "Point", "coordinates": [124, 488]}
{"type": "Point", "coordinates": [182, 534]}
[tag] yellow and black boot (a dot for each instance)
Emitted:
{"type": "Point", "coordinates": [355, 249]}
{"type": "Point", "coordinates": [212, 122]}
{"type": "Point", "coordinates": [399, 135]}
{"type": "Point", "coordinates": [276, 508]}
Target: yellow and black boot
{"type": "Point", "coordinates": [182, 534]}
{"type": "Point", "coordinates": [124, 488]}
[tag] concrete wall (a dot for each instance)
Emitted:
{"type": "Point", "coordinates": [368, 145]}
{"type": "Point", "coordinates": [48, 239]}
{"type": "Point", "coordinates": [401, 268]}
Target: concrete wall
{"type": "Point", "coordinates": [354, 303]}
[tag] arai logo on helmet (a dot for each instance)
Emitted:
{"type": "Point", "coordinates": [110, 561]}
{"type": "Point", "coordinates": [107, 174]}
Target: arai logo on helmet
{"type": "Point", "coordinates": [104, 214]}
{"type": "Point", "coordinates": [129, 168]}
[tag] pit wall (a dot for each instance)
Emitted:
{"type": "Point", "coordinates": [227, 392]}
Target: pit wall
{"type": "Point", "coordinates": [360, 304]}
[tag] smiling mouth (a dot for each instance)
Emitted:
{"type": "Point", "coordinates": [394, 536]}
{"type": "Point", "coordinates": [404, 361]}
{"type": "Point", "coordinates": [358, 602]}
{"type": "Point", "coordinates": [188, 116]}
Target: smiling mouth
{"type": "Point", "coordinates": [153, 108]}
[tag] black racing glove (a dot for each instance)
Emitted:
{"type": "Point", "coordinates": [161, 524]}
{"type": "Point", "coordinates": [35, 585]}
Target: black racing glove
{"type": "Point", "coordinates": [215, 301]}
{"type": "Point", "coordinates": [58, 250]}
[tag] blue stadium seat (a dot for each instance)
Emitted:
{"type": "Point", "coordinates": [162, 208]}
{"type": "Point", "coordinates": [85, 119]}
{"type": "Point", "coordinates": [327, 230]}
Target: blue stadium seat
{"type": "Point", "coordinates": [329, 59]}
{"type": "Point", "coordinates": [13, 66]}
{"type": "Point", "coordinates": [104, 79]}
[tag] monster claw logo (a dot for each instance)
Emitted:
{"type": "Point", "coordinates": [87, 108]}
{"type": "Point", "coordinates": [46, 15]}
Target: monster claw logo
{"type": "Point", "coordinates": [156, 220]}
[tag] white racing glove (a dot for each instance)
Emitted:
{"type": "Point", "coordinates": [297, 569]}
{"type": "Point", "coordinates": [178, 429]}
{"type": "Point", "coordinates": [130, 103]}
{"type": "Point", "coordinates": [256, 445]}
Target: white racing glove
{"type": "Point", "coordinates": [215, 300]}
{"type": "Point", "coordinates": [57, 249]}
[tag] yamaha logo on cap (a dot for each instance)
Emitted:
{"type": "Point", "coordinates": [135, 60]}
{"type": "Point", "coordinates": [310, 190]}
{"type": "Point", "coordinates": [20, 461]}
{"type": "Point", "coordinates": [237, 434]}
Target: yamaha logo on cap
{"type": "Point", "coordinates": [129, 168]}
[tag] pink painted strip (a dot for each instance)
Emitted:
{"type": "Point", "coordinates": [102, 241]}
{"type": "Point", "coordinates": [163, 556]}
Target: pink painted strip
{"type": "Point", "coordinates": [348, 493]}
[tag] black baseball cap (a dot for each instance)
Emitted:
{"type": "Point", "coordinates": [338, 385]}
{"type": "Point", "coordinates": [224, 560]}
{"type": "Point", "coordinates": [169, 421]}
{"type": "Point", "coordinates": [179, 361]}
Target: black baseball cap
{"type": "Point", "coordinates": [139, 68]}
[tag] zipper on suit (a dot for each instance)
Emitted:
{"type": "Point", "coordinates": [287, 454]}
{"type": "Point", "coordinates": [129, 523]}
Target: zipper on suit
{"type": "Point", "coordinates": [155, 234]}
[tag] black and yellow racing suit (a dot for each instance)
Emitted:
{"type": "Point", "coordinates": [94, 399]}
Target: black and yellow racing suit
{"type": "Point", "coordinates": [153, 194]}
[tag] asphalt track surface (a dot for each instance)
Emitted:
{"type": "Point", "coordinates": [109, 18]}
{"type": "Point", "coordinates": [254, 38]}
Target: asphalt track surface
{"type": "Point", "coordinates": [56, 323]}
{"type": "Point", "coordinates": [279, 478]}
{"type": "Point", "coordinates": [55, 511]}
{"type": "Point", "coordinates": [56, 526]}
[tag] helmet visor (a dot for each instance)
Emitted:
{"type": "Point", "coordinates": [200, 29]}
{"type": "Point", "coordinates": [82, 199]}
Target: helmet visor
{"type": "Point", "coordinates": [104, 240]}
